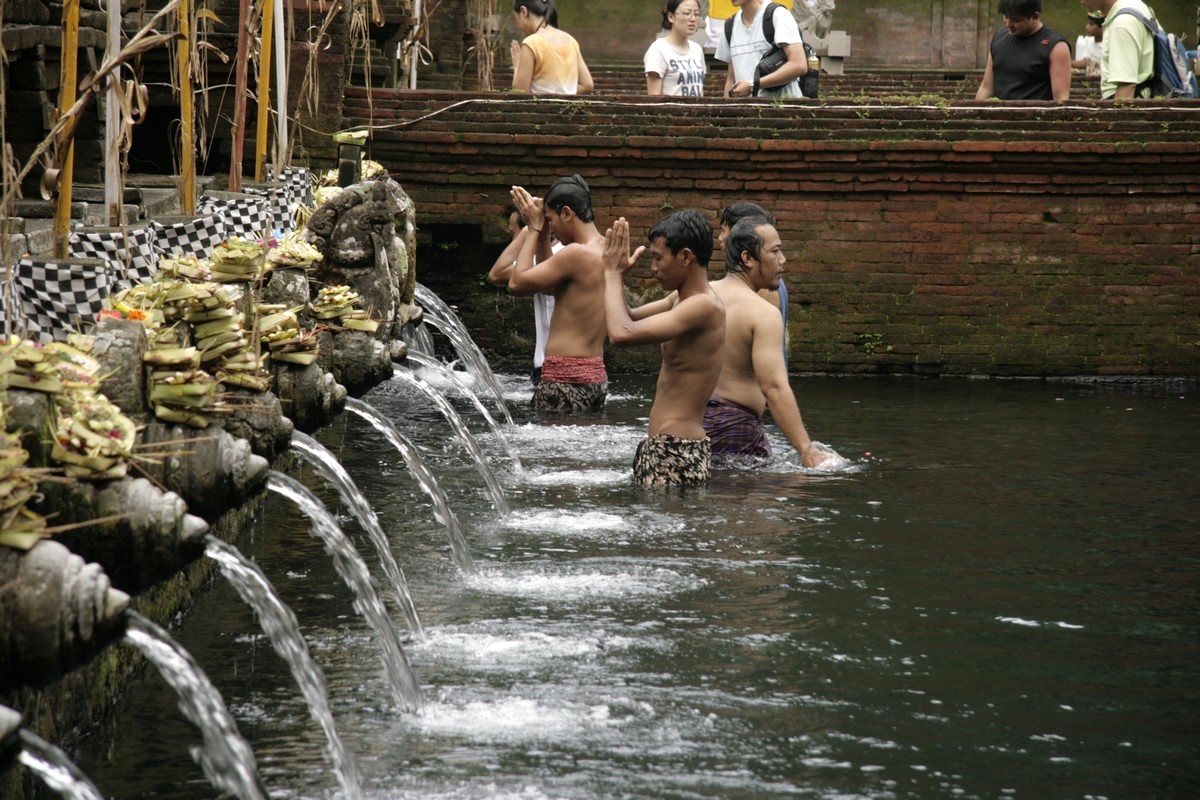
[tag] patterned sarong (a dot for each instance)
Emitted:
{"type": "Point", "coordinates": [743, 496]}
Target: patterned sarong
{"type": "Point", "coordinates": [734, 429]}
{"type": "Point", "coordinates": [571, 385]}
{"type": "Point", "coordinates": [664, 460]}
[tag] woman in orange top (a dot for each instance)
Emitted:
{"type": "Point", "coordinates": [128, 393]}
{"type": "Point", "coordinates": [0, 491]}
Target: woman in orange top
{"type": "Point", "coordinates": [547, 60]}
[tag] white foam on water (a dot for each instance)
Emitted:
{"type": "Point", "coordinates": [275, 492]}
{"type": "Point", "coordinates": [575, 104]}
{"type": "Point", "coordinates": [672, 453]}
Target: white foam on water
{"type": "Point", "coordinates": [455, 380]}
{"type": "Point", "coordinates": [465, 646]}
{"type": "Point", "coordinates": [580, 477]}
{"type": "Point", "coordinates": [588, 443]}
{"type": "Point", "coordinates": [513, 719]}
{"type": "Point", "coordinates": [554, 520]}
{"type": "Point", "coordinates": [570, 583]}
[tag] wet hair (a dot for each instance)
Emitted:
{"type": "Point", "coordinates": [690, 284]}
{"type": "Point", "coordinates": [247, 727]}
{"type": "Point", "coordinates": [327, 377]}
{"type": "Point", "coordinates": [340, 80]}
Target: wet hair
{"type": "Point", "coordinates": [687, 228]}
{"type": "Point", "coordinates": [736, 211]}
{"type": "Point", "coordinates": [539, 8]}
{"type": "Point", "coordinates": [1019, 8]}
{"type": "Point", "coordinates": [744, 238]}
{"type": "Point", "coordinates": [571, 193]}
{"type": "Point", "coordinates": [672, 7]}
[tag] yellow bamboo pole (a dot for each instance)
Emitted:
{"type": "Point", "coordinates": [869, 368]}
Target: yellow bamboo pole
{"type": "Point", "coordinates": [187, 114]}
{"type": "Point", "coordinates": [264, 88]}
{"type": "Point", "coordinates": [66, 99]}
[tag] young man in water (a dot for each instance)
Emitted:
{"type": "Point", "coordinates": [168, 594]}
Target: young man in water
{"type": "Point", "coordinates": [753, 372]}
{"type": "Point", "coordinates": [573, 377]}
{"type": "Point", "coordinates": [543, 304]}
{"type": "Point", "coordinates": [690, 326]}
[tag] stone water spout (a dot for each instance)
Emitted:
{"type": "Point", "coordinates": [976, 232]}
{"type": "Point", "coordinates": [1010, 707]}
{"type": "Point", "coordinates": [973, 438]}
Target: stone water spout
{"type": "Point", "coordinates": [10, 742]}
{"type": "Point", "coordinates": [311, 397]}
{"type": "Point", "coordinates": [138, 533]}
{"type": "Point", "coordinates": [56, 612]}
{"type": "Point", "coordinates": [210, 469]}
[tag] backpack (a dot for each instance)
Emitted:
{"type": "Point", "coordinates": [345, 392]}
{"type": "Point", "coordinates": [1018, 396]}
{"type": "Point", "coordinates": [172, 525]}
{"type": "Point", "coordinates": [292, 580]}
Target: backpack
{"type": "Point", "coordinates": [808, 82]}
{"type": "Point", "coordinates": [1183, 64]}
{"type": "Point", "coordinates": [1164, 80]}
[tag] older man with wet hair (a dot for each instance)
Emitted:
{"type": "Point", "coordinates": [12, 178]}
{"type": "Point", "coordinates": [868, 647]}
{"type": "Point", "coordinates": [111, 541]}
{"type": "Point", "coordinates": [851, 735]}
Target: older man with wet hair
{"type": "Point", "coordinates": [753, 373]}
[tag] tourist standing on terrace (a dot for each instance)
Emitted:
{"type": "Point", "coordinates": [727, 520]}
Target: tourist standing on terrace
{"type": "Point", "coordinates": [547, 60]}
{"type": "Point", "coordinates": [747, 44]}
{"type": "Point", "coordinates": [674, 63]}
{"type": "Point", "coordinates": [1128, 48]}
{"type": "Point", "coordinates": [1027, 60]}
{"type": "Point", "coordinates": [1088, 48]}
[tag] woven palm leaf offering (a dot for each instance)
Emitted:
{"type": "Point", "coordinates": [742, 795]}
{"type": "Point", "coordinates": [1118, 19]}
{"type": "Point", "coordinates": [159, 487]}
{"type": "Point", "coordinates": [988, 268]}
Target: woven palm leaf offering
{"type": "Point", "coordinates": [237, 259]}
{"type": "Point", "coordinates": [292, 252]}
{"type": "Point", "coordinates": [279, 330]}
{"type": "Point", "coordinates": [19, 527]}
{"type": "Point", "coordinates": [338, 305]}
{"type": "Point", "coordinates": [185, 267]}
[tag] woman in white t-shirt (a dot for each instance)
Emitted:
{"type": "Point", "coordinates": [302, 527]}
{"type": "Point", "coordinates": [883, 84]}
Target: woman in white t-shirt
{"type": "Point", "coordinates": [674, 63]}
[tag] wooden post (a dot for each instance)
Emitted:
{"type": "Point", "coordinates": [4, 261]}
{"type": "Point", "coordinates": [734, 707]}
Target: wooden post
{"type": "Point", "coordinates": [66, 99]}
{"type": "Point", "coordinates": [264, 88]}
{"type": "Point", "coordinates": [187, 114]}
{"type": "Point", "coordinates": [114, 189]}
{"type": "Point", "coordinates": [281, 90]}
{"type": "Point", "coordinates": [236, 148]}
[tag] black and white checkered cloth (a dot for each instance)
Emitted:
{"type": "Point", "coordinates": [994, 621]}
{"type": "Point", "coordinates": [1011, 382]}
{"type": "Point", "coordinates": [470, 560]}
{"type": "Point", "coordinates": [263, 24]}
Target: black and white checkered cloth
{"type": "Point", "coordinates": [248, 217]}
{"type": "Point", "coordinates": [129, 252]}
{"type": "Point", "coordinates": [293, 189]}
{"type": "Point", "coordinates": [195, 237]}
{"type": "Point", "coordinates": [55, 298]}
{"type": "Point", "coordinates": [299, 181]}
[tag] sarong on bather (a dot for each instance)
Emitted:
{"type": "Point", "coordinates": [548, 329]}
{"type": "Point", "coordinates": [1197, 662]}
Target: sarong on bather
{"type": "Point", "coordinates": [734, 429]}
{"type": "Point", "coordinates": [664, 460]}
{"type": "Point", "coordinates": [571, 385]}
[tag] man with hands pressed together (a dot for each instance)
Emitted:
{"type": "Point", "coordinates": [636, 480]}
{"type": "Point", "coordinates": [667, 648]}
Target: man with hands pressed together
{"type": "Point", "coordinates": [573, 376]}
{"type": "Point", "coordinates": [690, 326]}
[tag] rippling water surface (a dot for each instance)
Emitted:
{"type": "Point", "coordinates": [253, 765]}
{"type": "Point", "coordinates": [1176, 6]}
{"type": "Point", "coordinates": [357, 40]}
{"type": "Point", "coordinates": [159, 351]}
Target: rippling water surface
{"type": "Point", "coordinates": [995, 597]}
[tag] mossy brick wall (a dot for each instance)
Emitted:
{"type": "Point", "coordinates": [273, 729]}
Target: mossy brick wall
{"type": "Point", "coordinates": [1011, 239]}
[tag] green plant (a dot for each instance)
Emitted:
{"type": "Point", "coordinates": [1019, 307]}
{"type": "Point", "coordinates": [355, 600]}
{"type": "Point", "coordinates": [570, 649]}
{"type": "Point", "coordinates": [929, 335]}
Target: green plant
{"type": "Point", "coordinates": [872, 342]}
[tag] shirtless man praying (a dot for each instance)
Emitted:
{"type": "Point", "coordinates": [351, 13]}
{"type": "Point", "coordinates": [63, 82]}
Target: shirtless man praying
{"type": "Point", "coordinates": [690, 326]}
{"type": "Point", "coordinates": [573, 377]}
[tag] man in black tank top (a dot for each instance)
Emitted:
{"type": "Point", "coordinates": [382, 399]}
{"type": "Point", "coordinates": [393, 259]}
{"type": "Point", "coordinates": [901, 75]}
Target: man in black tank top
{"type": "Point", "coordinates": [1027, 60]}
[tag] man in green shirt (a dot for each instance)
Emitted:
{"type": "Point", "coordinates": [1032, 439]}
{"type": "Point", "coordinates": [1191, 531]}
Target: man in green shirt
{"type": "Point", "coordinates": [1128, 47]}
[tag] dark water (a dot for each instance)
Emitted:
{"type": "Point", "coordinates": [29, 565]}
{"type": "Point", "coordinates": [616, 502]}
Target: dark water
{"type": "Point", "coordinates": [997, 598]}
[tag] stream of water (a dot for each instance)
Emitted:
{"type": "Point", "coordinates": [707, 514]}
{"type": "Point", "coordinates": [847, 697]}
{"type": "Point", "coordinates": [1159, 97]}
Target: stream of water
{"type": "Point", "coordinates": [995, 598]}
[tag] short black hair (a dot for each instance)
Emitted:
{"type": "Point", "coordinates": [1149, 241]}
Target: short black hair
{"type": "Point", "coordinates": [573, 193]}
{"type": "Point", "coordinates": [686, 228]}
{"type": "Point", "coordinates": [1020, 8]}
{"type": "Point", "coordinates": [735, 211]}
{"type": "Point", "coordinates": [744, 237]}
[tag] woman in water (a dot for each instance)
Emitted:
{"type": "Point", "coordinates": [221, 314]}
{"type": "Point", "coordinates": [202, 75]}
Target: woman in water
{"type": "Point", "coordinates": [547, 60]}
{"type": "Point", "coordinates": [674, 63]}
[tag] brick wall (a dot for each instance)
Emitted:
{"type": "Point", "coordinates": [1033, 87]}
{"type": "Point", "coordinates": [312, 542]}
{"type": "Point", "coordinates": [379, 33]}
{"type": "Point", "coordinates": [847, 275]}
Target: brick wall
{"type": "Point", "coordinates": [1023, 239]}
